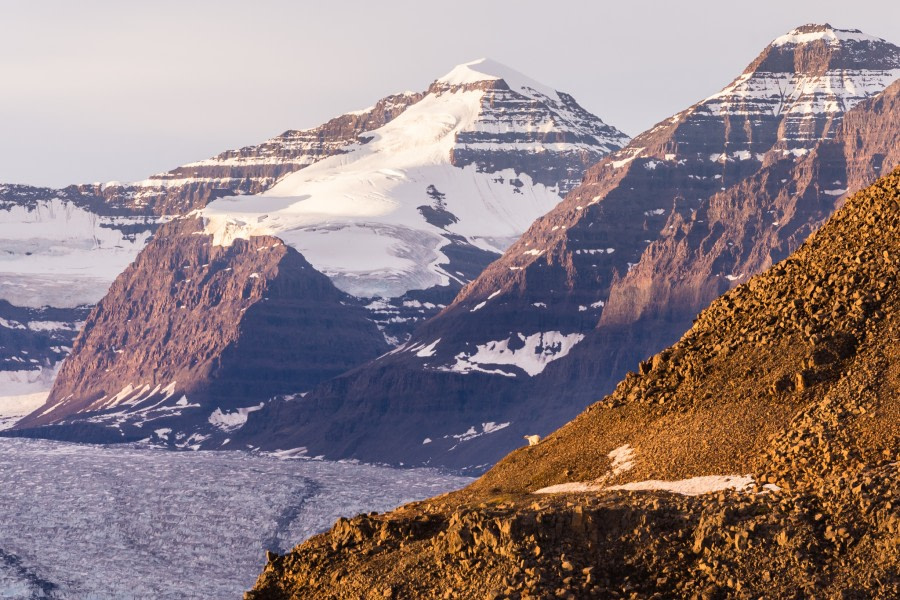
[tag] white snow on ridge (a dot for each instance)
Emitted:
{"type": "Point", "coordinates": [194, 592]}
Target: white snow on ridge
{"type": "Point", "coordinates": [830, 35]}
{"type": "Point", "coordinates": [61, 255]}
{"type": "Point", "coordinates": [533, 354]}
{"type": "Point", "coordinates": [356, 217]}
{"type": "Point", "coordinates": [797, 95]}
{"type": "Point", "coordinates": [486, 69]}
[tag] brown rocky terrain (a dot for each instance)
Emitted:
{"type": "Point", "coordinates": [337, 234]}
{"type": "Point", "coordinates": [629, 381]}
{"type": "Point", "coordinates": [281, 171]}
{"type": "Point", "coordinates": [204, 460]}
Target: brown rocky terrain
{"type": "Point", "coordinates": [790, 379]}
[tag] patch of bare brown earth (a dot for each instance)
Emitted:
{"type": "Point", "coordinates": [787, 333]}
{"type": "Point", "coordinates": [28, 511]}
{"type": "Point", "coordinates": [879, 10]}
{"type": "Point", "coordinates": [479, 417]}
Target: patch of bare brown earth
{"type": "Point", "coordinates": [791, 378]}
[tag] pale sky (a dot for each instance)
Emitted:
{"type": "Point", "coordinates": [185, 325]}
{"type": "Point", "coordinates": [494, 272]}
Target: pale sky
{"type": "Point", "coordinates": [100, 90]}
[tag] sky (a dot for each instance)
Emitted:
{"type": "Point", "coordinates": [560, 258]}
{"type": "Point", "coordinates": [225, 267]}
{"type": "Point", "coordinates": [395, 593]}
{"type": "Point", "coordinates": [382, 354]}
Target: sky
{"type": "Point", "coordinates": [102, 90]}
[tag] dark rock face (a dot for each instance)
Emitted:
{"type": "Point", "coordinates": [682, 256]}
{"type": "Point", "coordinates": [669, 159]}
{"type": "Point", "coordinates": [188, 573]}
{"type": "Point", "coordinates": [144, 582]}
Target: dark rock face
{"type": "Point", "coordinates": [223, 327]}
{"type": "Point", "coordinates": [791, 379]}
{"type": "Point", "coordinates": [618, 270]}
{"type": "Point", "coordinates": [36, 338]}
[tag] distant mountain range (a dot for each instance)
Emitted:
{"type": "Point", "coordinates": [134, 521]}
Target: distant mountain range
{"type": "Point", "coordinates": [425, 345]}
{"type": "Point", "coordinates": [399, 204]}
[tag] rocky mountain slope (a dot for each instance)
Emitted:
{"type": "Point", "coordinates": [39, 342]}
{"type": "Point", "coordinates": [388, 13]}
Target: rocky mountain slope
{"type": "Point", "coordinates": [756, 457]}
{"type": "Point", "coordinates": [618, 270]}
{"type": "Point", "coordinates": [406, 202]}
{"type": "Point", "coordinates": [236, 326]}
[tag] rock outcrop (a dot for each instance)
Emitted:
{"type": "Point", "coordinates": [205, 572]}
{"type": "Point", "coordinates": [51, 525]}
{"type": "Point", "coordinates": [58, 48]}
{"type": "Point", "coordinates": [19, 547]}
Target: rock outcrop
{"type": "Point", "coordinates": [195, 328]}
{"type": "Point", "coordinates": [774, 424]}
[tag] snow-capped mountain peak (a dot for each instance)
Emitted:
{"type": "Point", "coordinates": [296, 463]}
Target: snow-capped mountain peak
{"type": "Point", "coordinates": [487, 69]}
{"type": "Point", "coordinates": [831, 35]}
{"type": "Point", "coordinates": [466, 168]}
{"type": "Point", "coordinates": [805, 85]}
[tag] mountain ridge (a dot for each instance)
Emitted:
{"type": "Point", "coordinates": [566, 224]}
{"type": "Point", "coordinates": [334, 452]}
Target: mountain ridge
{"type": "Point", "coordinates": [398, 216]}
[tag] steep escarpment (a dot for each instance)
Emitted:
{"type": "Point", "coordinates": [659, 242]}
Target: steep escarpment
{"type": "Point", "coordinates": [207, 326]}
{"type": "Point", "coordinates": [758, 456]}
{"type": "Point", "coordinates": [618, 270]}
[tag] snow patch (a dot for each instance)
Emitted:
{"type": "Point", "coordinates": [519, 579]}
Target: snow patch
{"type": "Point", "coordinates": [693, 486]}
{"type": "Point", "coordinates": [830, 35]}
{"type": "Point", "coordinates": [428, 350]}
{"type": "Point", "coordinates": [622, 459]}
{"type": "Point", "coordinates": [472, 432]}
{"type": "Point", "coordinates": [486, 69]}
{"type": "Point", "coordinates": [630, 154]}
{"type": "Point", "coordinates": [232, 421]}
{"type": "Point", "coordinates": [533, 354]}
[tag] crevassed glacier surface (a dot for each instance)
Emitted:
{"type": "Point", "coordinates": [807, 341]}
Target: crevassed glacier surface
{"type": "Point", "coordinates": [120, 522]}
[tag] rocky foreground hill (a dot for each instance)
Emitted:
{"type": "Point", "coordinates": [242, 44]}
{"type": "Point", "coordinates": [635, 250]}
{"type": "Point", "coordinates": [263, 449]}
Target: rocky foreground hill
{"type": "Point", "coordinates": [780, 403]}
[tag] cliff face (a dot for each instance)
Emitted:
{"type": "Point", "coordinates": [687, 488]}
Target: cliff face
{"type": "Point", "coordinates": [758, 456]}
{"type": "Point", "coordinates": [737, 233]}
{"type": "Point", "coordinates": [208, 327]}
{"type": "Point", "coordinates": [618, 270]}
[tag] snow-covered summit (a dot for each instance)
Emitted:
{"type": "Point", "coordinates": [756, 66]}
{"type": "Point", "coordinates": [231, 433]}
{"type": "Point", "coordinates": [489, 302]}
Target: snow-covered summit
{"type": "Point", "coordinates": [462, 171]}
{"type": "Point", "coordinates": [487, 69]}
{"type": "Point", "coordinates": [804, 94]}
{"type": "Point", "coordinates": [831, 35]}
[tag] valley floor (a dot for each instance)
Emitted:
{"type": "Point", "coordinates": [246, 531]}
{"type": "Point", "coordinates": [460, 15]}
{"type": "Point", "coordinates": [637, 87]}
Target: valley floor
{"type": "Point", "coordinates": [122, 522]}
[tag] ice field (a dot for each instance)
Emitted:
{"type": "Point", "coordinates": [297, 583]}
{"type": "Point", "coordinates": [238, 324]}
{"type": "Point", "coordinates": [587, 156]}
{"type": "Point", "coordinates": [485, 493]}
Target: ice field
{"type": "Point", "coordinates": [120, 522]}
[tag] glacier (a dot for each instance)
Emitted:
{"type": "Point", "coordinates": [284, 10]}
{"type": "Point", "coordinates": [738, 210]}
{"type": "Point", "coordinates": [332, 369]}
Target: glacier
{"type": "Point", "coordinates": [97, 522]}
